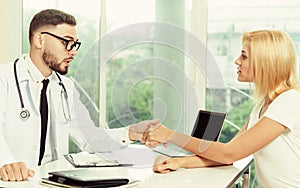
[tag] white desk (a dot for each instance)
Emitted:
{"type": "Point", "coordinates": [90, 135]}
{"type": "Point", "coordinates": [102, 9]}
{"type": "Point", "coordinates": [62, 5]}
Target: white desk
{"type": "Point", "coordinates": [214, 177]}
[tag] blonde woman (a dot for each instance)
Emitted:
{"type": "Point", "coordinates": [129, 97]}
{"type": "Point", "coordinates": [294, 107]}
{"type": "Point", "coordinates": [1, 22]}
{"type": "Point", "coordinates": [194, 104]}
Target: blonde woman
{"type": "Point", "coordinates": [272, 133]}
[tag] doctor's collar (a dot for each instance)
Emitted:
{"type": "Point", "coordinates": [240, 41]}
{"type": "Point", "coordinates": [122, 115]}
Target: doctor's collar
{"type": "Point", "coordinates": [35, 74]}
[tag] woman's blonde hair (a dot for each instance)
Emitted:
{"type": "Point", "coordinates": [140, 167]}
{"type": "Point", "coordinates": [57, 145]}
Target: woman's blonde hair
{"type": "Point", "coordinates": [273, 58]}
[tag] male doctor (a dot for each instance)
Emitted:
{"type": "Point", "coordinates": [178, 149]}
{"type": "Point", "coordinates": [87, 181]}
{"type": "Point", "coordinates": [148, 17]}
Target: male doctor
{"type": "Point", "coordinates": [29, 138]}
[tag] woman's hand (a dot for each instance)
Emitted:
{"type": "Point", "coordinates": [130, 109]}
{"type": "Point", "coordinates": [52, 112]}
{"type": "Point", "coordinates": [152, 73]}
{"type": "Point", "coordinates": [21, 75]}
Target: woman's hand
{"type": "Point", "coordinates": [157, 133]}
{"type": "Point", "coordinates": [136, 131]}
{"type": "Point", "coordinates": [164, 164]}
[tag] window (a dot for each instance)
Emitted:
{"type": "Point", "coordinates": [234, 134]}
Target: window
{"type": "Point", "coordinates": [114, 87]}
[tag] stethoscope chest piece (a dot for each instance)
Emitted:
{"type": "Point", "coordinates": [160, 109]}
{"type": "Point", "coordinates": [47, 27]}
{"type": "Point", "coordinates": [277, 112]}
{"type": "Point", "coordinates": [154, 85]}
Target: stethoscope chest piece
{"type": "Point", "coordinates": [24, 114]}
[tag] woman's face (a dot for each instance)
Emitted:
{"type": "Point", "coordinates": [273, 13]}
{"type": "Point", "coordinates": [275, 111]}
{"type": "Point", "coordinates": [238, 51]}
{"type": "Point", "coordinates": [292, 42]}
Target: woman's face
{"type": "Point", "coordinates": [244, 66]}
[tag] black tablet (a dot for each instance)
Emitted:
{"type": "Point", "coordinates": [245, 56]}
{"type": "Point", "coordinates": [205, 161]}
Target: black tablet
{"type": "Point", "coordinates": [86, 178]}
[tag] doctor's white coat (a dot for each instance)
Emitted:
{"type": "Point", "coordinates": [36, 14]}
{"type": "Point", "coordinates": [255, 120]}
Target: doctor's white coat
{"type": "Point", "coordinates": [20, 140]}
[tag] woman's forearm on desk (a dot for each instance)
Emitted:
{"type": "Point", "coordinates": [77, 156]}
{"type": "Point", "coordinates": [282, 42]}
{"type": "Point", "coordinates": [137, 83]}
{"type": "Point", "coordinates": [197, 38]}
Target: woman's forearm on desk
{"type": "Point", "coordinates": [165, 164]}
{"type": "Point", "coordinates": [196, 162]}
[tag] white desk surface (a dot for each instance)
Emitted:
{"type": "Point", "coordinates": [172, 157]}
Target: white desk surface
{"type": "Point", "coordinates": [213, 177]}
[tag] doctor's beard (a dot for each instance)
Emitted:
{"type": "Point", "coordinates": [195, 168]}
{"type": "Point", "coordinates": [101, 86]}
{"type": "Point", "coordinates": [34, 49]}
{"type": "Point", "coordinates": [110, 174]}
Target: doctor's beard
{"type": "Point", "coordinates": [52, 61]}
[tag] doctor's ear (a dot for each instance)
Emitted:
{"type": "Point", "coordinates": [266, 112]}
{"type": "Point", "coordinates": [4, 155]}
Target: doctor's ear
{"type": "Point", "coordinates": [38, 40]}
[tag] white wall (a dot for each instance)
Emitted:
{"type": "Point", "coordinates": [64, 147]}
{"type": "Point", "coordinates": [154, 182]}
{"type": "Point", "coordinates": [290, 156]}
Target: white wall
{"type": "Point", "coordinates": [4, 12]}
{"type": "Point", "coordinates": [11, 29]}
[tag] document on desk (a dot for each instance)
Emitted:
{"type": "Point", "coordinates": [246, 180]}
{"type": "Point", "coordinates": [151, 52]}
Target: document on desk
{"type": "Point", "coordinates": [84, 160]}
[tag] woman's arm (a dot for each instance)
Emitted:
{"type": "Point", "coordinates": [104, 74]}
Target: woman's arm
{"type": "Point", "coordinates": [245, 143]}
{"type": "Point", "coordinates": [164, 164]}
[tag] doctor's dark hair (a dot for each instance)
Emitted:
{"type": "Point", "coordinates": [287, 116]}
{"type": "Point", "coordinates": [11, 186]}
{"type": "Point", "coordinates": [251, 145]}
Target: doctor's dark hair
{"type": "Point", "coordinates": [49, 17]}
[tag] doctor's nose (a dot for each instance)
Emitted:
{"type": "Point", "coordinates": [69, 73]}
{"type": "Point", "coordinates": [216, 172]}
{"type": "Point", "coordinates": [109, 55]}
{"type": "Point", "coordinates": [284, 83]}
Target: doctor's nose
{"type": "Point", "coordinates": [72, 52]}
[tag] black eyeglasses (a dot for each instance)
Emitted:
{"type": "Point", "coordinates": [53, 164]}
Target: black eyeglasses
{"type": "Point", "coordinates": [70, 44]}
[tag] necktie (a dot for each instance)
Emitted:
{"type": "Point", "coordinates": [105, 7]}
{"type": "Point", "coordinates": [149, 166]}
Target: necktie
{"type": "Point", "coordinates": [44, 119]}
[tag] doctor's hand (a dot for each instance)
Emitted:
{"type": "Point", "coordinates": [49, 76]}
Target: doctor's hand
{"type": "Point", "coordinates": [139, 130]}
{"type": "Point", "coordinates": [17, 171]}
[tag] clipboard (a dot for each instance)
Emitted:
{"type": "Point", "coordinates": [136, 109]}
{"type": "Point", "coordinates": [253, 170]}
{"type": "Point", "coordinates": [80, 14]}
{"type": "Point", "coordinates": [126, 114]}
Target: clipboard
{"type": "Point", "coordinates": [85, 160]}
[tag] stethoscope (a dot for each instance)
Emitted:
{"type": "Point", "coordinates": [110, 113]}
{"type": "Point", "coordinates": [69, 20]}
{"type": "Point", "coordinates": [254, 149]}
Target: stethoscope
{"type": "Point", "coordinates": [25, 114]}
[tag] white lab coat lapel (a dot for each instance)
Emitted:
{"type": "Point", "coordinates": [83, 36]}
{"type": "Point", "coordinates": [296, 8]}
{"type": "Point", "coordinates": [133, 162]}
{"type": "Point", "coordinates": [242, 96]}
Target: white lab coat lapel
{"type": "Point", "coordinates": [54, 94]}
{"type": "Point", "coordinates": [59, 126]}
{"type": "Point", "coordinates": [54, 102]}
{"type": "Point", "coordinates": [24, 76]}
